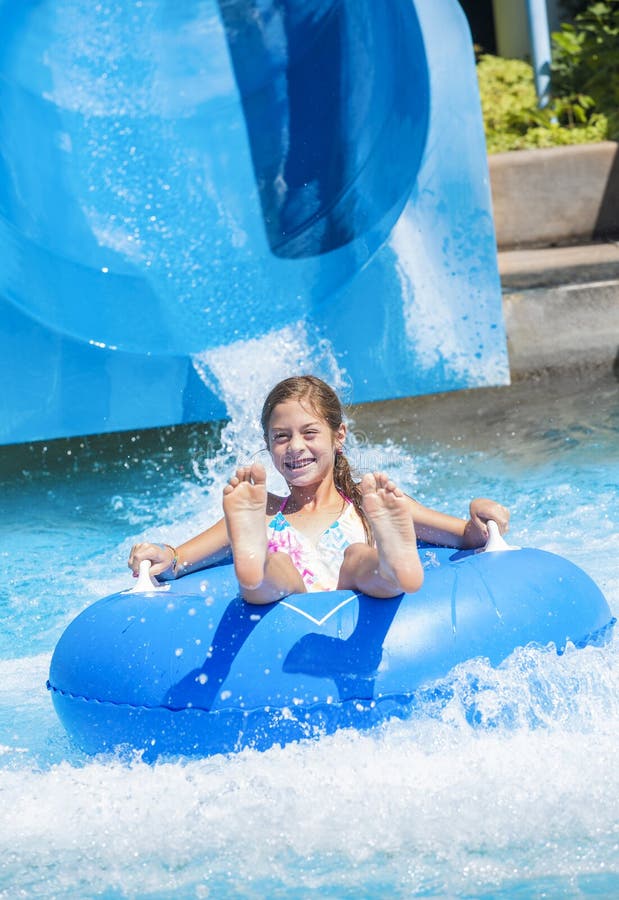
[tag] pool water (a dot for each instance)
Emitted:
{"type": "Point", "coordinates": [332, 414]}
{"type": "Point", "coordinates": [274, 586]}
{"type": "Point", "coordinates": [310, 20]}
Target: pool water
{"type": "Point", "coordinates": [503, 784]}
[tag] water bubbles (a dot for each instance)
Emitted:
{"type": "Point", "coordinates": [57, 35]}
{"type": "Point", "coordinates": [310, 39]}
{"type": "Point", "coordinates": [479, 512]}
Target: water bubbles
{"type": "Point", "coordinates": [429, 560]}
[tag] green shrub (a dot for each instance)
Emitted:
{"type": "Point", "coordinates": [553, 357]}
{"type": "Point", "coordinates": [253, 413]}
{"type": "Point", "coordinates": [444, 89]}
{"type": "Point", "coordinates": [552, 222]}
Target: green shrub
{"type": "Point", "coordinates": [584, 107]}
{"type": "Point", "coordinates": [585, 63]}
{"type": "Point", "coordinates": [512, 119]}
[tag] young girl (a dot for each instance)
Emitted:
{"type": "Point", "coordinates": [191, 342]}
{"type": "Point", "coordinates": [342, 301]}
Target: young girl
{"type": "Point", "coordinates": [329, 532]}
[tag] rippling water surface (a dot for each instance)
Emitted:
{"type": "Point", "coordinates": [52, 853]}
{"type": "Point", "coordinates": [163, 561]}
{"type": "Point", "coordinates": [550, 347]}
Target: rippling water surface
{"type": "Point", "coordinates": [507, 787]}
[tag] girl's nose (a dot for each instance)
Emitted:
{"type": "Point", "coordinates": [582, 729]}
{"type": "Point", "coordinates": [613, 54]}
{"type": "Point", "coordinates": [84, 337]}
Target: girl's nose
{"type": "Point", "coordinates": [296, 442]}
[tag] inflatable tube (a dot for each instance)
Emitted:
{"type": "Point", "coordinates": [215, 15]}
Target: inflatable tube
{"type": "Point", "coordinates": [192, 669]}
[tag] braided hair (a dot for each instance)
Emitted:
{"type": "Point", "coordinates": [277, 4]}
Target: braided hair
{"type": "Point", "coordinates": [325, 402]}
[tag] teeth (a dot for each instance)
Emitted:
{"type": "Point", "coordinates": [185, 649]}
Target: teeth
{"type": "Point", "coordinates": [299, 464]}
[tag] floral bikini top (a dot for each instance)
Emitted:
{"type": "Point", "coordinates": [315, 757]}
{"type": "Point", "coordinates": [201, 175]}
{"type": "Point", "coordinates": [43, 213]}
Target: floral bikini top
{"type": "Point", "coordinates": [319, 563]}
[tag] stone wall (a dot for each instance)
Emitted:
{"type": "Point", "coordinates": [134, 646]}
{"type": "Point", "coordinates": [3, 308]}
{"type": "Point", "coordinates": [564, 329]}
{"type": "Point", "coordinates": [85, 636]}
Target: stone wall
{"type": "Point", "coordinates": [560, 195]}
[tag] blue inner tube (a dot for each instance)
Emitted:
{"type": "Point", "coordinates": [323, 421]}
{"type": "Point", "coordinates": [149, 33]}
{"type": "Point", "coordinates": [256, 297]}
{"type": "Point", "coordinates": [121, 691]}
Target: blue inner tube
{"type": "Point", "coordinates": [194, 670]}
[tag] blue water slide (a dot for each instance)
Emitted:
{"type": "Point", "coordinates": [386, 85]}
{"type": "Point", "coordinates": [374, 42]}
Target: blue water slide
{"type": "Point", "coordinates": [182, 179]}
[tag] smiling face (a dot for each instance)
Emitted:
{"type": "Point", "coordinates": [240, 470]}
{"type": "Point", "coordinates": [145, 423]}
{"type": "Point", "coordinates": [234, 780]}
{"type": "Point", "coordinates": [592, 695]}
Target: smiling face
{"type": "Point", "coordinates": [301, 443]}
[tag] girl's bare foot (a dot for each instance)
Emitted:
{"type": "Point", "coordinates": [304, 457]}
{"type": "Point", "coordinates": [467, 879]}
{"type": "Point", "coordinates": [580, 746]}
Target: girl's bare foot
{"type": "Point", "coordinates": [388, 513]}
{"type": "Point", "coordinates": [244, 502]}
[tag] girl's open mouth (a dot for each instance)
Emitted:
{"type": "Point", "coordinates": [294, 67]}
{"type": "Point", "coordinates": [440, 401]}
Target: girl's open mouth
{"type": "Point", "coordinates": [299, 463]}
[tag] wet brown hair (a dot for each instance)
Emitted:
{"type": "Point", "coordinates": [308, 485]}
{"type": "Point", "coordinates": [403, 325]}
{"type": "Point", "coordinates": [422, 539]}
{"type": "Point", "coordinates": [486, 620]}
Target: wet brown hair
{"type": "Point", "coordinates": [325, 402]}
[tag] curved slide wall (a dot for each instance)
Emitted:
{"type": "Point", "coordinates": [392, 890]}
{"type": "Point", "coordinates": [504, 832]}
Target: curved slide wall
{"type": "Point", "coordinates": [178, 179]}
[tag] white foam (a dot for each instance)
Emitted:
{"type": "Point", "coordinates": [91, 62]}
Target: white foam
{"type": "Point", "coordinates": [291, 350]}
{"type": "Point", "coordinates": [417, 804]}
{"type": "Point", "coordinates": [22, 680]}
{"type": "Point", "coordinates": [434, 323]}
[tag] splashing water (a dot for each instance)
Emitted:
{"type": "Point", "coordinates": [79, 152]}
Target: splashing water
{"type": "Point", "coordinates": [284, 352]}
{"type": "Point", "coordinates": [502, 783]}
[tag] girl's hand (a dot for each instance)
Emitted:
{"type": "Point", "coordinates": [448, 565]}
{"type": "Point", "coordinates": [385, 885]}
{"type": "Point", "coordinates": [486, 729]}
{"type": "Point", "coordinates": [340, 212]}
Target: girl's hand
{"type": "Point", "coordinates": [481, 511]}
{"type": "Point", "coordinates": [162, 558]}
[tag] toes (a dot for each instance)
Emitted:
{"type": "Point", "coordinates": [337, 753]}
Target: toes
{"type": "Point", "coordinates": [368, 484]}
{"type": "Point", "coordinates": [386, 484]}
{"type": "Point", "coordinates": [383, 482]}
{"type": "Point", "coordinates": [257, 473]}
{"type": "Point", "coordinates": [250, 475]}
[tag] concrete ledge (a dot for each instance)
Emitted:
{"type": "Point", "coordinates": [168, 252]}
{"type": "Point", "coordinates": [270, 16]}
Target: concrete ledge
{"type": "Point", "coordinates": [508, 419]}
{"type": "Point", "coordinates": [555, 196]}
{"type": "Point", "coordinates": [571, 326]}
{"type": "Point", "coordinates": [547, 267]}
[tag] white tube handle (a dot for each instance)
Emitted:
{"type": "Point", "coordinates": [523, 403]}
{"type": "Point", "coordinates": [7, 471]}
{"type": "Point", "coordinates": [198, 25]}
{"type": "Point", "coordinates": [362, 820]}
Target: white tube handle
{"type": "Point", "coordinates": [496, 543]}
{"type": "Point", "coordinates": [145, 584]}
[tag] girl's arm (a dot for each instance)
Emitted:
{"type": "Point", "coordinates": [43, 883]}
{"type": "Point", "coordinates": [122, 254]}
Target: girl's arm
{"type": "Point", "coordinates": [450, 531]}
{"type": "Point", "coordinates": [211, 546]}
